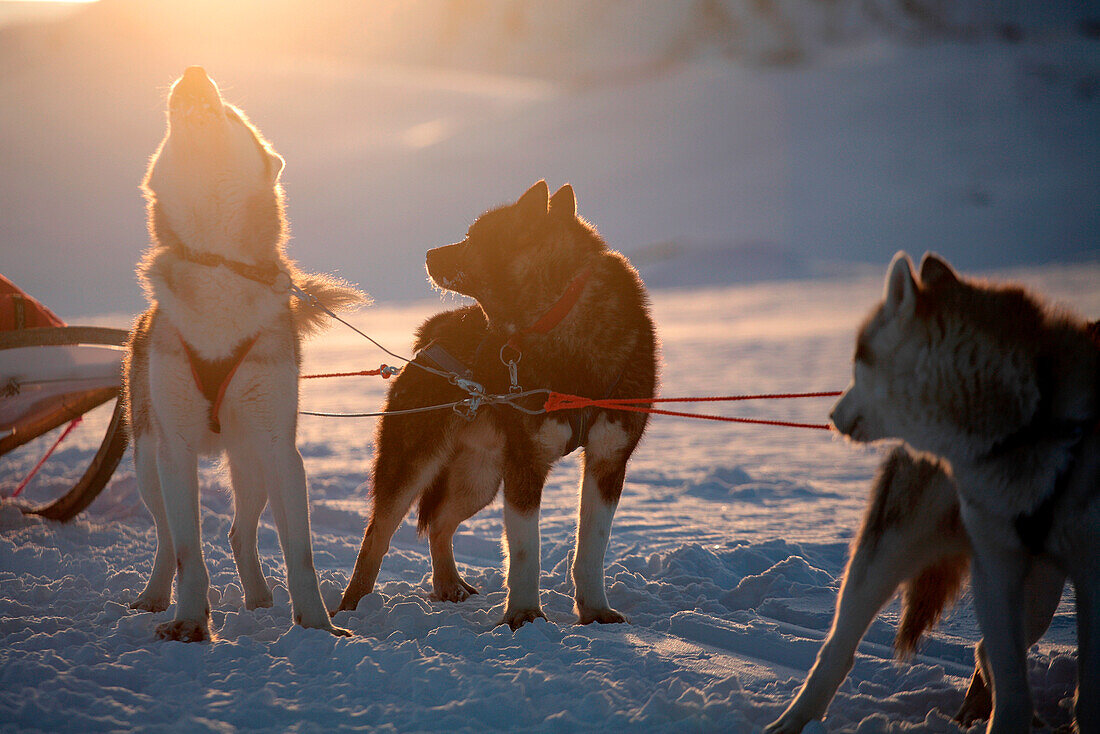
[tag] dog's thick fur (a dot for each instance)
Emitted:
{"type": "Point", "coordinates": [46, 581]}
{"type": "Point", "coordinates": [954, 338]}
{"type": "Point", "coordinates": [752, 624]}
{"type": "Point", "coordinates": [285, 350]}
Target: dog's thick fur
{"type": "Point", "coordinates": [912, 538]}
{"type": "Point", "coordinates": [1007, 390]}
{"type": "Point", "coordinates": [212, 189]}
{"type": "Point", "coordinates": [516, 261]}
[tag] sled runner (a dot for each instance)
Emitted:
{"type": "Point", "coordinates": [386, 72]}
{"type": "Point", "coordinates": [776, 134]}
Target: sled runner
{"type": "Point", "coordinates": [50, 375]}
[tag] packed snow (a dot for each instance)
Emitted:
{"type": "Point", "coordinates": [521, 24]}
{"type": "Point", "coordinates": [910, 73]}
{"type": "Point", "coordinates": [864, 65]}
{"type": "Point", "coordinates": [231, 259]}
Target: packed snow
{"type": "Point", "coordinates": [725, 555]}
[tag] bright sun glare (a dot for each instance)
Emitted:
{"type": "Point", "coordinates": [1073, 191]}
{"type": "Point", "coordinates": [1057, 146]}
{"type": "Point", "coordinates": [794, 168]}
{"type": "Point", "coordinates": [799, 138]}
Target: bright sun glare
{"type": "Point", "coordinates": [17, 11]}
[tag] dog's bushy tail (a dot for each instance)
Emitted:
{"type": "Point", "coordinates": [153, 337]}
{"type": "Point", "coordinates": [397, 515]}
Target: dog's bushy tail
{"type": "Point", "coordinates": [925, 598]}
{"type": "Point", "coordinates": [335, 294]}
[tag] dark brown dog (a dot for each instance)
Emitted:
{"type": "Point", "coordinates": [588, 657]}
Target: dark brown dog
{"type": "Point", "coordinates": [574, 318]}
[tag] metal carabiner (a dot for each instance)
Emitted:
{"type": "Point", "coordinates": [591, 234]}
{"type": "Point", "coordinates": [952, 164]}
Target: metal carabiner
{"type": "Point", "coordinates": [301, 295]}
{"type": "Point", "coordinates": [468, 408]}
{"type": "Point", "coordinates": [513, 367]}
{"type": "Point", "coordinates": [474, 389]}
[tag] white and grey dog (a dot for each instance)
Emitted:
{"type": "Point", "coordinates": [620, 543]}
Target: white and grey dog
{"type": "Point", "coordinates": [213, 363]}
{"type": "Point", "coordinates": [1007, 390]}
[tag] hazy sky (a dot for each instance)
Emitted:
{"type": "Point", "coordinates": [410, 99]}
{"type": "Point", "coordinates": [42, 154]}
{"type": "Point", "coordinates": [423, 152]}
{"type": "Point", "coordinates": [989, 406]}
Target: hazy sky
{"type": "Point", "coordinates": [740, 147]}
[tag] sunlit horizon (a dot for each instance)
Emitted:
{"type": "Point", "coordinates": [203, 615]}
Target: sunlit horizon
{"type": "Point", "coordinates": [709, 154]}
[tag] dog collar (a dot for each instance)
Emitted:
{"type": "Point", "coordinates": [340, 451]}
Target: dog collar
{"type": "Point", "coordinates": [269, 275]}
{"type": "Point", "coordinates": [561, 308]}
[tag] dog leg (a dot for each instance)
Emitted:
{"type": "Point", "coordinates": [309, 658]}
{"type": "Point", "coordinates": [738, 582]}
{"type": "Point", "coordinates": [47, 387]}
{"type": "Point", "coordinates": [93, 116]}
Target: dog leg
{"type": "Point", "coordinates": [392, 496]}
{"type": "Point", "coordinates": [600, 492]}
{"type": "Point", "coordinates": [997, 579]}
{"type": "Point", "coordinates": [463, 495]}
{"type": "Point", "coordinates": [1086, 707]}
{"type": "Point", "coordinates": [442, 509]}
{"type": "Point", "coordinates": [609, 446]}
{"type": "Point", "coordinates": [177, 467]}
{"type": "Point", "coordinates": [977, 705]}
{"type": "Point", "coordinates": [911, 530]}
{"type": "Point", "coordinates": [158, 592]}
{"type": "Point", "coordinates": [1043, 592]}
{"type": "Point", "coordinates": [523, 483]}
{"type": "Point", "coordinates": [871, 579]}
{"type": "Point", "coordinates": [873, 575]}
{"type": "Point", "coordinates": [521, 530]}
{"type": "Point", "coordinates": [249, 500]}
{"type": "Point", "coordinates": [447, 583]}
{"type": "Point", "coordinates": [286, 478]}
{"type": "Point", "coordinates": [471, 481]}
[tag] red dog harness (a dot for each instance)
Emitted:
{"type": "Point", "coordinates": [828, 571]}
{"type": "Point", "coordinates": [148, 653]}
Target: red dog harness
{"type": "Point", "coordinates": [212, 377]}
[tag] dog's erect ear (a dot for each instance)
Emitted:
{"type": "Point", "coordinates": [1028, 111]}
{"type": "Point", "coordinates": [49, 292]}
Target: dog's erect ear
{"type": "Point", "coordinates": [536, 201]}
{"type": "Point", "coordinates": [563, 203]}
{"type": "Point", "coordinates": [935, 272]}
{"type": "Point", "coordinates": [900, 297]}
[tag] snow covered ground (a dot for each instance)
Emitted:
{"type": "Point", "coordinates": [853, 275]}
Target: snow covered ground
{"type": "Point", "coordinates": [725, 555]}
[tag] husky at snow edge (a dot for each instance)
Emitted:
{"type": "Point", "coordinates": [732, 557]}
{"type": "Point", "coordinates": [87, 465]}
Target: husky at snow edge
{"type": "Point", "coordinates": [1007, 389]}
{"type": "Point", "coordinates": [213, 364]}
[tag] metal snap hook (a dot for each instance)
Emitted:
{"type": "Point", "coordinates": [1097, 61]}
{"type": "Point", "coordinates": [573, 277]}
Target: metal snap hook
{"type": "Point", "coordinates": [513, 367]}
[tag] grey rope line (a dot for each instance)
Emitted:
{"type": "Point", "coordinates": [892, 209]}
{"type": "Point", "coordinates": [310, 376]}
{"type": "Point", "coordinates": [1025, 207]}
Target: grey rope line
{"type": "Point", "coordinates": [473, 389]}
{"type": "Point", "coordinates": [487, 400]}
{"type": "Point", "coordinates": [313, 301]}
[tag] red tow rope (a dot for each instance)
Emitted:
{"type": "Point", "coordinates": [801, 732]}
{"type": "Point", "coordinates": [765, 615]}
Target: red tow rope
{"type": "Point", "coordinates": [559, 401]}
{"type": "Point", "coordinates": [64, 434]}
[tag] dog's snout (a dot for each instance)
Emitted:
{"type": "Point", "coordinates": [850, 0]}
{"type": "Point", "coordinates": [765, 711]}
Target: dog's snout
{"type": "Point", "coordinates": [443, 265]}
{"type": "Point", "coordinates": [433, 261]}
{"type": "Point", "coordinates": [195, 86]}
{"type": "Point", "coordinates": [194, 74]}
{"type": "Point", "coordinates": [841, 417]}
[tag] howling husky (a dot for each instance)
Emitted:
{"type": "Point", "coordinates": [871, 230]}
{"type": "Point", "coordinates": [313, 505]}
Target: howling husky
{"type": "Point", "coordinates": [213, 363]}
{"type": "Point", "coordinates": [1007, 390]}
{"type": "Point", "coordinates": [568, 314]}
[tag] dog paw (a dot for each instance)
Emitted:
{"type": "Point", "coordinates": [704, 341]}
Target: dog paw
{"type": "Point", "coordinates": [976, 707]}
{"type": "Point", "coordinates": [321, 621]}
{"type": "Point", "coordinates": [607, 615]}
{"type": "Point", "coordinates": [330, 628]}
{"type": "Point", "coordinates": [518, 617]}
{"type": "Point", "coordinates": [456, 592]}
{"type": "Point", "coordinates": [791, 722]}
{"type": "Point", "coordinates": [348, 603]}
{"type": "Point", "coordinates": [264, 601]}
{"type": "Point", "coordinates": [150, 603]}
{"type": "Point", "coordinates": [183, 630]}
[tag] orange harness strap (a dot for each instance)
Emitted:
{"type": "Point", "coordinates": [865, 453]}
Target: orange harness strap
{"type": "Point", "coordinates": [212, 377]}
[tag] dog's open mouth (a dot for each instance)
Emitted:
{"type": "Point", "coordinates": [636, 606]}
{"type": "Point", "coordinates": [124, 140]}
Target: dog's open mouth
{"type": "Point", "coordinates": [454, 282]}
